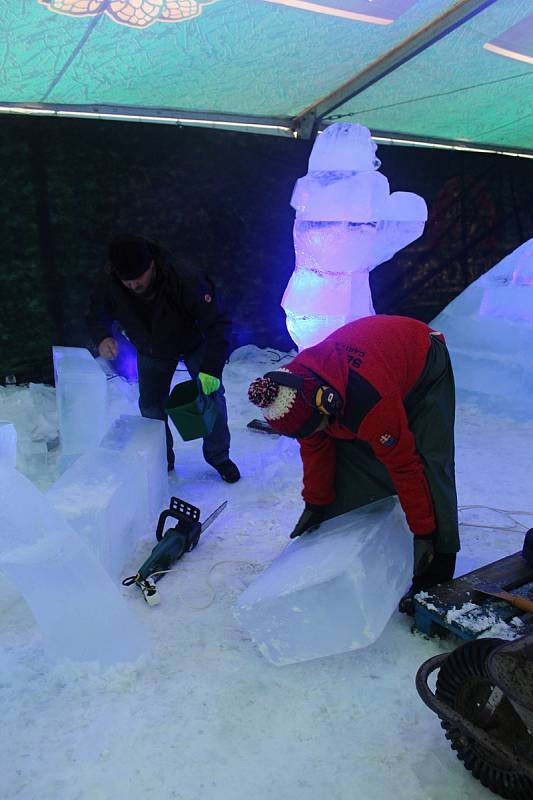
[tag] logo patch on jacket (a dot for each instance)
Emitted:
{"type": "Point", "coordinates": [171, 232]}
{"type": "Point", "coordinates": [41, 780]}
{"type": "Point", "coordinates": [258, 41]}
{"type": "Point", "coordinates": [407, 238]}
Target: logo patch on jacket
{"type": "Point", "coordinates": [387, 439]}
{"type": "Point", "coordinates": [207, 298]}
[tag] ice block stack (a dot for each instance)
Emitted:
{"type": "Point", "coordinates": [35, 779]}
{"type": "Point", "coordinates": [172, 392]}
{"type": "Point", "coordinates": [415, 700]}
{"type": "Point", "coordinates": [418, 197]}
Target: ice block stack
{"type": "Point", "coordinates": [79, 611]}
{"type": "Point", "coordinates": [331, 590]}
{"type": "Point", "coordinates": [81, 397]}
{"type": "Point", "coordinates": [347, 222]}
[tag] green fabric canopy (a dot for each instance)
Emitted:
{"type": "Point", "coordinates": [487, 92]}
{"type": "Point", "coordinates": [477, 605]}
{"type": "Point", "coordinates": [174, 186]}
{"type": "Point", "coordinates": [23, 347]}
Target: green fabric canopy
{"type": "Point", "coordinates": [452, 72]}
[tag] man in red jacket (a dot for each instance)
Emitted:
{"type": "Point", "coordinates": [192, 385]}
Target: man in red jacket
{"type": "Point", "coordinates": [373, 407]}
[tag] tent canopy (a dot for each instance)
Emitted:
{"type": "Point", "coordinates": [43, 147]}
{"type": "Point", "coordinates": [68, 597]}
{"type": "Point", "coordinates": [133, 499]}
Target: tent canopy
{"type": "Point", "coordinates": [457, 73]}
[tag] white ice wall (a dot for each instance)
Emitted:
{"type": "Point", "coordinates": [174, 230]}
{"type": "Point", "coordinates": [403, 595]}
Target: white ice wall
{"type": "Point", "coordinates": [489, 332]}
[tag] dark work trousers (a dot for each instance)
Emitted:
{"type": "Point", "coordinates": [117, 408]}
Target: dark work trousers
{"type": "Point", "coordinates": [430, 406]}
{"type": "Point", "coordinates": [155, 377]}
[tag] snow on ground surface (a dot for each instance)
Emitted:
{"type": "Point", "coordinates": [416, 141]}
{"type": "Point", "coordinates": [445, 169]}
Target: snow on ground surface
{"type": "Point", "coordinates": [206, 717]}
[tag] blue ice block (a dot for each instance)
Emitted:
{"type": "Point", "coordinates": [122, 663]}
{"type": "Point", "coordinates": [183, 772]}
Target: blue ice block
{"type": "Point", "coordinates": [143, 441]}
{"type": "Point", "coordinates": [81, 397]}
{"type": "Point", "coordinates": [331, 590]}
{"type": "Point", "coordinates": [79, 611]}
{"type": "Point", "coordinates": [101, 496]}
{"type": "Point", "coordinates": [489, 332]}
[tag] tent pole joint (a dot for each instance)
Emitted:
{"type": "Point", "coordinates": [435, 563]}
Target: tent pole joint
{"type": "Point", "coordinates": [305, 127]}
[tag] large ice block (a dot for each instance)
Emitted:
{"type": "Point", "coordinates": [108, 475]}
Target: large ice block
{"type": "Point", "coordinates": [79, 611]}
{"type": "Point", "coordinates": [338, 196]}
{"type": "Point", "coordinates": [101, 497]}
{"type": "Point", "coordinates": [332, 590]}
{"type": "Point", "coordinates": [489, 332]}
{"type": "Point", "coordinates": [344, 147]}
{"type": "Point", "coordinates": [8, 444]}
{"type": "Point", "coordinates": [143, 441]}
{"type": "Point", "coordinates": [81, 397]}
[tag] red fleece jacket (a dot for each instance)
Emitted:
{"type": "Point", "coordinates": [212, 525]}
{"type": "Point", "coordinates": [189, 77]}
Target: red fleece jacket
{"type": "Point", "coordinates": [390, 353]}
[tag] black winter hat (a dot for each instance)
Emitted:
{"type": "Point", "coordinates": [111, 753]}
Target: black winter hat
{"type": "Point", "coordinates": [129, 256]}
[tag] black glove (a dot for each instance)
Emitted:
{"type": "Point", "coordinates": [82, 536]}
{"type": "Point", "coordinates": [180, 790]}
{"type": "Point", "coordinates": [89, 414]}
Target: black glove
{"type": "Point", "coordinates": [310, 519]}
{"type": "Point", "coordinates": [424, 552]}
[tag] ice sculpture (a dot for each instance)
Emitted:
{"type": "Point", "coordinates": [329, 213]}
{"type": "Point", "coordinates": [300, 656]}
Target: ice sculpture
{"type": "Point", "coordinates": [8, 444]}
{"type": "Point", "coordinates": [81, 396]}
{"type": "Point", "coordinates": [144, 442]}
{"type": "Point", "coordinates": [332, 590]}
{"type": "Point", "coordinates": [79, 611]}
{"type": "Point", "coordinates": [347, 222]}
{"type": "Point", "coordinates": [489, 331]}
{"type": "Point", "coordinates": [101, 495]}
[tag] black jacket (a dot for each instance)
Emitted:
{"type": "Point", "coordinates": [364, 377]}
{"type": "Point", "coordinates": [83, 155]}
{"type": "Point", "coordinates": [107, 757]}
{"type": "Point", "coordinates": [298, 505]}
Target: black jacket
{"type": "Point", "coordinates": [183, 315]}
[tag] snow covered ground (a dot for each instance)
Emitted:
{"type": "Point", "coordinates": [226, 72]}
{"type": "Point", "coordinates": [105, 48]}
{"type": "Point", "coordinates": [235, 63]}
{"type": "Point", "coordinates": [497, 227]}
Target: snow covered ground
{"type": "Point", "coordinates": [206, 717]}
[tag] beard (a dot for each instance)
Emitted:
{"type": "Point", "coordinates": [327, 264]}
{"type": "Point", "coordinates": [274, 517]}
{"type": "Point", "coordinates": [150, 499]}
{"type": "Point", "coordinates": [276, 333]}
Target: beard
{"type": "Point", "coordinates": [146, 292]}
{"type": "Point", "coordinates": [142, 290]}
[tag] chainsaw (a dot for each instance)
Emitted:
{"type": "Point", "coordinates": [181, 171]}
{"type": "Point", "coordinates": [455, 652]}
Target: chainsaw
{"type": "Point", "coordinates": [171, 545]}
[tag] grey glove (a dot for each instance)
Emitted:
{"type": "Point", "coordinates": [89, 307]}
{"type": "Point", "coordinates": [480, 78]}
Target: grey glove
{"type": "Point", "coordinates": [424, 553]}
{"type": "Point", "coordinates": [310, 519]}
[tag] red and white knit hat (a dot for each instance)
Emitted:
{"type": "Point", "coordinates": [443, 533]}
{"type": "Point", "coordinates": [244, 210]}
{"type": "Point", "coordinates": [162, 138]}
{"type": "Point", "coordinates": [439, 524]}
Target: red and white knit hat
{"type": "Point", "coordinates": [288, 411]}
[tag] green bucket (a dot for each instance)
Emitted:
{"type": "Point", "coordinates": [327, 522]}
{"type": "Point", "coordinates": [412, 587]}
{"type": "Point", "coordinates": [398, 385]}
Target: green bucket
{"type": "Point", "coordinates": [192, 412]}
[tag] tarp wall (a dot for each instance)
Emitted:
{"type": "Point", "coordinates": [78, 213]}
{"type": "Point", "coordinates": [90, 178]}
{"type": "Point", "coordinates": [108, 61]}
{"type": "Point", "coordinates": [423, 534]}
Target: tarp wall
{"type": "Point", "coordinates": [222, 201]}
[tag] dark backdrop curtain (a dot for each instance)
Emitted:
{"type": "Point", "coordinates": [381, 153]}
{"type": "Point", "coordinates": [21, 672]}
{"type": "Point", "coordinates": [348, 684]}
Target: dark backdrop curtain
{"type": "Point", "coordinates": [222, 200]}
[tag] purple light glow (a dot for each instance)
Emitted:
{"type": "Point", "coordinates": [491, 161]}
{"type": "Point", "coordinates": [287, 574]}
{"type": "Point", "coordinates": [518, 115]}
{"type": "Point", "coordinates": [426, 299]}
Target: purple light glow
{"type": "Point", "coordinates": [125, 364]}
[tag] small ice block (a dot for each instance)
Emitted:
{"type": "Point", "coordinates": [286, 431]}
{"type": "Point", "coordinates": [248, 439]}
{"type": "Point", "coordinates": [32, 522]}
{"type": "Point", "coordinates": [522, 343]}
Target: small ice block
{"type": "Point", "coordinates": [332, 590]}
{"type": "Point", "coordinates": [81, 397]}
{"type": "Point", "coordinates": [143, 441]}
{"type": "Point", "coordinates": [100, 495]}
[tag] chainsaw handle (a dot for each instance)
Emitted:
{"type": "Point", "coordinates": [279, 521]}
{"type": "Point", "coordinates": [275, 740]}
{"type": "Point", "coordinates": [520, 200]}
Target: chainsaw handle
{"type": "Point", "coordinates": [185, 513]}
{"type": "Point", "coordinates": [162, 519]}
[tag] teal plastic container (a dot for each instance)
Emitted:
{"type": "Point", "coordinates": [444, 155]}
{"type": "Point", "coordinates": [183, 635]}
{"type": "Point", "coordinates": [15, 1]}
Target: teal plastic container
{"type": "Point", "coordinates": [192, 412]}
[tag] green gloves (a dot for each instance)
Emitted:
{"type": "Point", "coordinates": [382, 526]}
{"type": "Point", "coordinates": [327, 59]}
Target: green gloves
{"type": "Point", "coordinates": [209, 383]}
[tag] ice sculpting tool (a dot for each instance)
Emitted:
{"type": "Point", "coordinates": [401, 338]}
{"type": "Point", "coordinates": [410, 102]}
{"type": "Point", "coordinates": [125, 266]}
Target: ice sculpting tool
{"type": "Point", "coordinates": [261, 426]}
{"type": "Point", "coordinates": [171, 545]}
{"type": "Point", "coordinates": [517, 600]}
{"type": "Point", "coordinates": [458, 607]}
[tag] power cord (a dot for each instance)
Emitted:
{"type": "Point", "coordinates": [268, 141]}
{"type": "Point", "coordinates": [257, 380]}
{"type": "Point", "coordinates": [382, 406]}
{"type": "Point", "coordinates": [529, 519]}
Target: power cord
{"type": "Point", "coordinates": [518, 527]}
{"type": "Point", "coordinates": [208, 582]}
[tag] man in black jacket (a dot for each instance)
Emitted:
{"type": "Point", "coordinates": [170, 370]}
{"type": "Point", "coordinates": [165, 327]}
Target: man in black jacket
{"type": "Point", "coordinates": [170, 315]}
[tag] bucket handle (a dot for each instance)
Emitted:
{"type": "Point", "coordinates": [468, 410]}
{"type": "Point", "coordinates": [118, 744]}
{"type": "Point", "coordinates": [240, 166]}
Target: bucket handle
{"type": "Point", "coordinates": [201, 394]}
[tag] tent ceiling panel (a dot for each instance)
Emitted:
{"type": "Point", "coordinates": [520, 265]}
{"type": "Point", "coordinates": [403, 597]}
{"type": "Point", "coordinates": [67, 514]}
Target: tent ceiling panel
{"type": "Point", "coordinates": [456, 89]}
{"type": "Point", "coordinates": [242, 57]}
{"type": "Point", "coordinates": [250, 59]}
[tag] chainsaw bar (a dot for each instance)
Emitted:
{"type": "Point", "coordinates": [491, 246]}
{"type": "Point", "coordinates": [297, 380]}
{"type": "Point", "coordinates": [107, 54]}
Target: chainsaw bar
{"type": "Point", "coordinates": [212, 517]}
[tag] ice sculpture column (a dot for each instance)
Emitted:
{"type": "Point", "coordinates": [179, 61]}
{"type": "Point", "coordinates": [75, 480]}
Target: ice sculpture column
{"type": "Point", "coordinates": [347, 222]}
{"type": "Point", "coordinates": [81, 395]}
